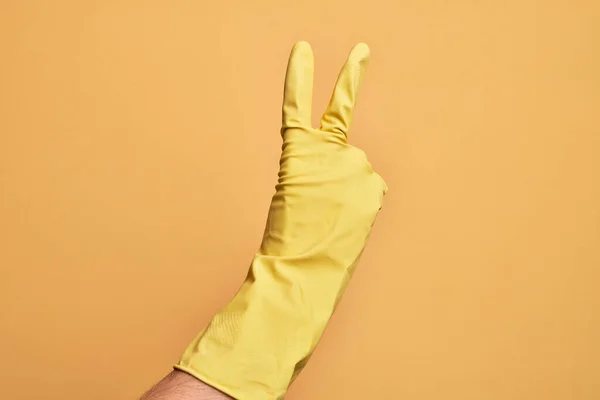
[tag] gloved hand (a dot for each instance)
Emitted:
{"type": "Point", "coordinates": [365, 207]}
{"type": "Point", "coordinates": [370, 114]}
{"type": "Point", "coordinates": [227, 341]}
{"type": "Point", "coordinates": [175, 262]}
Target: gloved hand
{"type": "Point", "coordinates": [320, 217]}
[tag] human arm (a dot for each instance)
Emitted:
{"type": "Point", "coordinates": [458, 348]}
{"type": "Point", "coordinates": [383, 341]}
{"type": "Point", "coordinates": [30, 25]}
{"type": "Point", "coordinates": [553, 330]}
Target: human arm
{"type": "Point", "coordinates": [181, 386]}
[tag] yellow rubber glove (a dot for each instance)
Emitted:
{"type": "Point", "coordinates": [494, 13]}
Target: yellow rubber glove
{"type": "Point", "coordinates": [320, 217]}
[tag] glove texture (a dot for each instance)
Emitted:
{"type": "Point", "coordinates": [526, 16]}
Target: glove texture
{"type": "Point", "coordinates": [326, 201]}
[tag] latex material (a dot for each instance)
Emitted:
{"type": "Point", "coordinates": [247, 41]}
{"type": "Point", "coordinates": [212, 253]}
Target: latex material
{"type": "Point", "coordinates": [319, 220]}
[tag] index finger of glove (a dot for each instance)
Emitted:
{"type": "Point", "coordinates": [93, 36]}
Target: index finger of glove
{"type": "Point", "coordinates": [340, 111]}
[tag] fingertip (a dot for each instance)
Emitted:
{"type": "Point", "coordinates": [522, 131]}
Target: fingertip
{"type": "Point", "coordinates": [359, 53]}
{"type": "Point", "coordinates": [302, 47]}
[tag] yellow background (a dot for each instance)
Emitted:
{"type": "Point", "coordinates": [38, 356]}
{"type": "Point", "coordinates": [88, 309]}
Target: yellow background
{"type": "Point", "coordinates": [139, 149]}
